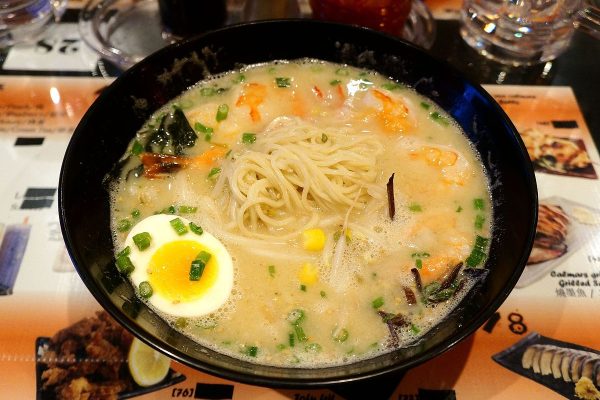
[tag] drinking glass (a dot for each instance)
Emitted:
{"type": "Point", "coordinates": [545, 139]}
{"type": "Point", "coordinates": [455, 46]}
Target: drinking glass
{"type": "Point", "coordinates": [26, 20]}
{"type": "Point", "coordinates": [520, 32]}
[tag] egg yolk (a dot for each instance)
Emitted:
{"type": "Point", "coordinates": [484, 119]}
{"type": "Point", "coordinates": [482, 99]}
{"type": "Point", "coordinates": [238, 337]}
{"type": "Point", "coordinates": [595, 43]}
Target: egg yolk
{"type": "Point", "coordinates": [169, 271]}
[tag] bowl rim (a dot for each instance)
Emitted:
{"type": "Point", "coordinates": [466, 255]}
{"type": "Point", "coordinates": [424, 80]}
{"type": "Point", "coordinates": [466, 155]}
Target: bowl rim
{"type": "Point", "coordinates": [284, 382]}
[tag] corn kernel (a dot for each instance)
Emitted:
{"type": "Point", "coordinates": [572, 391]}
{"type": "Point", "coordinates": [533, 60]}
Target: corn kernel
{"type": "Point", "coordinates": [314, 239]}
{"type": "Point", "coordinates": [308, 274]}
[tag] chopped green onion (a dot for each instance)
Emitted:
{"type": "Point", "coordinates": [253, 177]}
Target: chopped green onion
{"type": "Point", "coordinates": [124, 225]}
{"type": "Point", "coordinates": [313, 347]}
{"type": "Point", "coordinates": [364, 84]}
{"type": "Point", "coordinates": [181, 322]}
{"type": "Point", "coordinates": [324, 138]}
{"type": "Point", "coordinates": [248, 137]}
{"type": "Point", "coordinates": [335, 82]}
{"type": "Point", "coordinates": [222, 112]}
{"type": "Point", "coordinates": [187, 209]}
{"type": "Point", "coordinates": [239, 78]}
{"type": "Point", "coordinates": [204, 257]}
{"type": "Point", "coordinates": [342, 72]}
{"type": "Point", "coordinates": [439, 118]}
{"type": "Point", "coordinates": [340, 335]}
{"type": "Point", "coordinates": [198, 265]}
{"type": "Point", "coordinates": [295, 316]}
{"type": "Point", "coordinates": [272, 271]}
{"type": "Point", "coordinates": [179, 226]}
{"type": "Point", "coordinates": [303, 288]}
{"type": "Point", "coordinates": [280, 346]}
{"type": "Point", "coordinates": [137, 148]}
{"type": "Point", "coordinates": [300, 333]}
{"type": "Point", "coordinates": [478, 253]}
{"type": "Point", "coordinates": [214, 172]}
{"type": "Point", "coordinates": [323, 294]}
{"type": "Point", "coordinates": [459, 209]}
{"type": "Point", "coordinates": [415, 329]}
{"type": "Point", "coordinates": [125, 252]}
{"type": "Point", "coordinates": [250, 351]}
{"type": "Point", "coordinates": [378, 302]}
{"type": "Point", "coordinates": [169, 210]}
{"type": "Point", "coordinates": [479, 221]}
{"type": "Point", "coordinates": [142, 240]}
{"type": "Point", "coordinates": [203, 128]}
{"type": "Point", "coordinates": [135, 213]}
{"type": "Point", "coordinates": [145, 289]}
{"type": "Point", "coordinates": [419, 263]}
{"type": "Point", "coordinates": [283, 82]}
{"type": "Point", "coordinates": [426, 106]}
{"type": "Point", "coordinates": [478, 204]}
{"type": "Point", "coordinates": [392, 86]}
{"type": "Point", "coordinates": [420, 254]}
{"type": "Point", "coordinates": [196, 229]}
{"type": "Point", "coordinates": [291, 340]}
{"type": "Point", "coordinates": [124, 265]}
{"type": "Point", "coordinates": [208, 91]}
{"type": "Point", "coordinates": [415, 207]}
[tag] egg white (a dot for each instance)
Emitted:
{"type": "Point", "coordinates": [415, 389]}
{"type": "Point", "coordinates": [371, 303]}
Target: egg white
{"type": "Point", "coordinates": [161, 232]}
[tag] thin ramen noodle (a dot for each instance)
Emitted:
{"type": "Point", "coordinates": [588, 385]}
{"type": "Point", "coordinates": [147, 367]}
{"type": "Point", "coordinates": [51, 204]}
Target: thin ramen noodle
{"type": "Point", "coordinates": [301, 214]}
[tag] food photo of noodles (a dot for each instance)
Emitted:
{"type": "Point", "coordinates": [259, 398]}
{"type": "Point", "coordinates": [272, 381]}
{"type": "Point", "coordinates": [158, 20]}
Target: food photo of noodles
{"type": "Point", "coordinates": [304, 214]}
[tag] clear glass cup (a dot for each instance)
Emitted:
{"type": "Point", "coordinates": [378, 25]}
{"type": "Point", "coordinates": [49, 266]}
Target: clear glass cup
{"type": "Point", "coordinates": [520, 32]}
{"type": "Point", "coordinates": [26, 20]}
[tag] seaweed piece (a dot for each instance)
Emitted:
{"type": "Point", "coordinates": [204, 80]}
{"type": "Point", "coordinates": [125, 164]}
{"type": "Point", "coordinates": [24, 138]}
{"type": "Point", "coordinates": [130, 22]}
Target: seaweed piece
{"type": "Point", "coordinates": [173, 131]}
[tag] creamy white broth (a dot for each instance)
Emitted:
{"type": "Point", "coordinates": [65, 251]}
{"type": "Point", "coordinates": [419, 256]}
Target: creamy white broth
{"type": "Point", "coordinates": [357, 128]}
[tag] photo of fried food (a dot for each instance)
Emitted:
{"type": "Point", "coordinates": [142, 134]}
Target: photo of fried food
{"type": "Point", "coordinates": [551, 234]}
{"type": "Point", "coordinates": [558, 155]}
{"type": "Point", "coordinates": [89, 360]}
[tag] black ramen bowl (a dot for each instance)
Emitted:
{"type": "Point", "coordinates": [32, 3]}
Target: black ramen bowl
{"type": "Point", "coordinates": [121, 109]}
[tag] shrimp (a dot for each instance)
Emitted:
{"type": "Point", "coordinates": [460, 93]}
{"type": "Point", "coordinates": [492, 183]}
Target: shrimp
{"type": "Point", "coordinates": [252, 96]}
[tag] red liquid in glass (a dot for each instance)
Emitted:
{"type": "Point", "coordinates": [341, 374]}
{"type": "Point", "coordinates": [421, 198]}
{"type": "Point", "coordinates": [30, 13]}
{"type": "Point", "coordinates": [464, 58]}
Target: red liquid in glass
{"type": "Point", "coordinates": [384, 15]}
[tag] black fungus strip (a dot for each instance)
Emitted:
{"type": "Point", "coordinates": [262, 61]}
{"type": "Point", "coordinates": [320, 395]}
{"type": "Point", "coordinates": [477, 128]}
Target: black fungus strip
{"type": "Point", "coordinates": [391, 201]}
{"type": "Point", "coordinates": [451, 276]}
{"type": "Point", "coordinates": [418, 280]}
{"type": "Point", "coordinates": [410, 296]}
{"type": "Point", "coordinates": [387, 317]}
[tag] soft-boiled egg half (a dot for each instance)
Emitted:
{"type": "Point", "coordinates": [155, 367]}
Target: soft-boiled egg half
{"type": "Point", "coordinates": [181, 270]}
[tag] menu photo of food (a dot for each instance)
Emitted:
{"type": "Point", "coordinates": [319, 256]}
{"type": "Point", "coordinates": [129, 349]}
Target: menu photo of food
{"type": "Point", "coordinates": [569, 369]}
{"type": "Point", "coordinates": [563, 227]}
{"type": "Point", "coordinates": [96, 358]}
{"type": "Point", "coordinates": [558, 155]}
